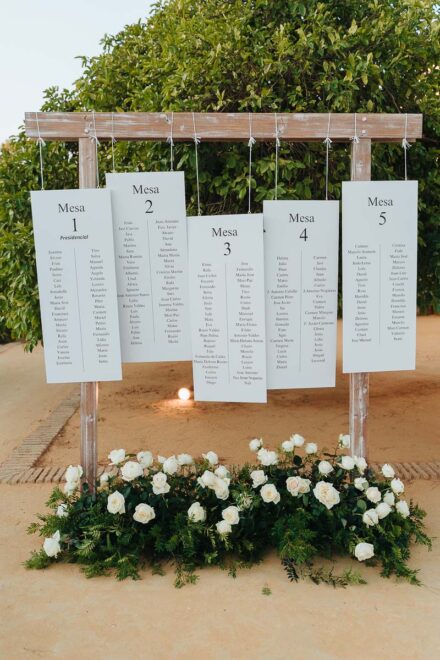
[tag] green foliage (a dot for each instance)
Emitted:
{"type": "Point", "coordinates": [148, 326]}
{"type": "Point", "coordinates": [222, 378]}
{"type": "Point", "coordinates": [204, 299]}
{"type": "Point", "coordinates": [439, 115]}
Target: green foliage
{"type": "Point", "coordinates": [299, 526]}
{"type": "Point", "coordinates": [242, 55]}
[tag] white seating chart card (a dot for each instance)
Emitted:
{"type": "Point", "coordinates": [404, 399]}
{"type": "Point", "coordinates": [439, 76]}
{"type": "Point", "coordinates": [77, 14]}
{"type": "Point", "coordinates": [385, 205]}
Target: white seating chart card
{"type": "Point", "coordinates": [379, 220]}
{"type": "Point", "coordinates": [151, 265]}
{"type": "Point", "coordinates": [301, 269]}
{"type": "Point", "coordinates": [226, 275]}
{"type": "Point", "coordinates": [76, 280]}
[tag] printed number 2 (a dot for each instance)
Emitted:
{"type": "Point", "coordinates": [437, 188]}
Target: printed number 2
{"type": "Point", "coordinates": [149, 208]}
{"type": "Point", "coordinates": [227, 251]}
{"type": "Point", "coordinates": [303, 234]}
{"type": "Point", "coordinates": [74, 224]}
{"type": "Point", "coordinates": [383, 218]}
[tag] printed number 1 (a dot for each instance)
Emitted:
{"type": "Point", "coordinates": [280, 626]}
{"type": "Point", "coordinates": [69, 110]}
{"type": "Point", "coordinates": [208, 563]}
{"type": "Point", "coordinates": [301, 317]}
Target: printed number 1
{"type": "Point", "coordinates": [227, 251]}
{"type": "Point", "coordinates": [303, 234]}
{"type": "Point", "coordinates": [74, 224]}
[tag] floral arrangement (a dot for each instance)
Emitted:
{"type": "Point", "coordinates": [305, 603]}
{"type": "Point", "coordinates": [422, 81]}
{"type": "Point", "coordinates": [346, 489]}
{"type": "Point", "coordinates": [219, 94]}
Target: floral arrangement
{"type": "Point", "coordinates": [199, 513]}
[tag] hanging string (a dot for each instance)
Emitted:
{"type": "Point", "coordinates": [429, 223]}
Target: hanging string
{"type": "Point", "coordinates": [277, 149]}
{"type": "Point", "coordinates": [41, 143]}
{"type": "Point", "coordinates": [94, 137]}
{"type": "Point", "coordinates": [327, 142]}
{"type": "Point", "coordinates": [113, 141]}
{"type": "Point", "coordinates": [355, 141]}
{"type": "Point", "coordinates": [250, 145]}
{"type": "Point", "coordinates": [170, 141]}
{"type": "Point", "coordinates": [196, 143]}
{"type": "Point", "coordinates": [406, 145]}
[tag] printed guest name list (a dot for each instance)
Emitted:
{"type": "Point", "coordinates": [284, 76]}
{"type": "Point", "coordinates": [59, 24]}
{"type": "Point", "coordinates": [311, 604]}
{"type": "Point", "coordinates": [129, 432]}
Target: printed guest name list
{"type": "Point", "coordinates": [301, 266]}
{"type": "Point", "coordinates": [226, 275]}
{"type": "Point", "coordinates": [379, 221]}
{"type": "Point", "coordinates": [77, 285]}
{"type": "Point", "coordinates": [151, 265]}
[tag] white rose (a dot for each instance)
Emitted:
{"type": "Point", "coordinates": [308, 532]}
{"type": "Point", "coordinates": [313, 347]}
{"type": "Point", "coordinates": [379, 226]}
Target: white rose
{"type": "Point", "coordinates": [231, 514]}
{"type": "Point", "coordinates": [73, 473]}
{"type": "Point", "coordinates": [131, 470]}
{"type": "Point", "coordinates": [388, 471]}
{"type": "Point", "coordinates": [373, 494]}
{"type": "Point", "coordinates": [325, 467]}
{"type": "Point", "coordinates": [145, 458]}
{"type": "Point", "coordinates": [389, 498]}
{"type": "Point", "coordinates": [223, 527]}
{"type": "Point", "coordinates": [207, 480]}
{"type": "Point", "coordinates": [185, 459]}
{"type": "Point", "coordinates": [161, 459]}
{"type": "Point", "coordinates": [370, 517]}
{"type": "Point", "coordinates": [51, 545]}
{"type": "Point", "coordinates": [211, 457]}
{"type": "Point", "coordinates": [143, 513]}
{"type": "Point", "coordinates": [258, 478]}
{"type": "Point", "coordinates": [221, 489]}
{"type": "Point", "coordinates": [196, 512]}
{"type": "Point", "coordinates": [103, 479]}
{"type": "Point", "coordinates": [347, 462]}
{"type": "Point", "coordinates": [326, 494]}
{"type": "Point", "coordinates": [221, 472]}
{"type": "Point", "coordinates": [255, 444]}
{"type": "Point", "coordinates": [304, 486]}
{"type": "Point", "coordinates": [269, 493]}
{"type": "Point", "coordinates": [293, 485]}
{"type": "Point", "coordinates": [70, 487]}
{"type": "Point", "coordinates": [62, 511]}
{"type": "Point", "coordinates": [344, 441]}
{"type": "Point", "coordinates": [160, 484]}
{"type": "Point", "coordinates": [361, 464]}
{"type": "Point", "coordinates": [403, 508]}
{"type": "Point", "coordinates": [364, 551]}
{"type": "Point", "coordinates": [298, 440]}
{"type": "Point", "coordinates": [116, 502]}
{"type": "Point", "coordinates": [361, 483]}
{"type": "Point", "coordinates": [311, 448]}
{"type": "Point", "coordinates": [383, 509]}
{"type": "Point", "coordinates": [267, 457]}
{"type": "Point", "coordinates": [117, 456]}
{"type": "Point", "coordinates": [288, 445]}
{"type": "Point", "coordinates": [397, 486]}
{"type": "Point", "coordinates": [170, 466]}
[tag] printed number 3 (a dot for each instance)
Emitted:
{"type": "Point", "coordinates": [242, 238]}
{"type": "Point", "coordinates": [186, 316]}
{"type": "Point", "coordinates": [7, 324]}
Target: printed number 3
{"type": "Point", "coordinates": [227, 251]}
{"type": "Point", "coordinates": [383, 218]}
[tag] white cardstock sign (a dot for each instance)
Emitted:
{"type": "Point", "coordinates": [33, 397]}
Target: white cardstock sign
{"type": "Point", "coordinates": [226, 275]}
{"type": "Point", "coordinates": [149, 220]}
{"type": "Point", "coordinates": [379, 223]}
{"type": "Point", "coordinates": [301, 271]}
{"type": "Point", "coordinates": [76, 280]}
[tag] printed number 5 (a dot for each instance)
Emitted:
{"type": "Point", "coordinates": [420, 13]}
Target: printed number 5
{"type": "Point", "coordinates": [383, 218]}
{"type": "Point", "coordinates": [227, 251]}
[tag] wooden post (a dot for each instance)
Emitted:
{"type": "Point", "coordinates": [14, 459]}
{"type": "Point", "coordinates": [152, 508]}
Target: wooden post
{"type": "Point", "coordinates": [359, 382]}
{"type": "Point", "coordinates": [89, 391]}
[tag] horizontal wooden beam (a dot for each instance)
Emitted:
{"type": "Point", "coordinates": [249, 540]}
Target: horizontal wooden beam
{"type": "Point", "coordinates": [221, 127]}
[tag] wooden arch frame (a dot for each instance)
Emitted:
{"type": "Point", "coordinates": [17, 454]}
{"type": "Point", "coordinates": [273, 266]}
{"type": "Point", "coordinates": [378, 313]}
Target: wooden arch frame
{"type": "Point", "coordinates": [83, 127]}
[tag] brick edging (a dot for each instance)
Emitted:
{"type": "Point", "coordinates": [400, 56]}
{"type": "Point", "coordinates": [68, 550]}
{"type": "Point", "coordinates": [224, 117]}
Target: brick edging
{"type": "Point", "coordinates": [24, 457]}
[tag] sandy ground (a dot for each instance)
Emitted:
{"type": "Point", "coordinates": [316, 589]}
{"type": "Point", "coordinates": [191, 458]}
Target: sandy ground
{"type": "Point", "coordinates": [142, 412]}
{"type": "Point", "coordinates": [25, 398]}
{"type": "Point", "coordinates": [57, 613]}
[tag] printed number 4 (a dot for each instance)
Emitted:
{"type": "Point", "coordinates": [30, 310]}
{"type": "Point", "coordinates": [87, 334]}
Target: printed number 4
{"type": "Point", "coordinates": [303, 234]}
{"type": "Point", "coordinates": [227, 251]}
{"type": "Point", "coordinates": [383, 218]}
